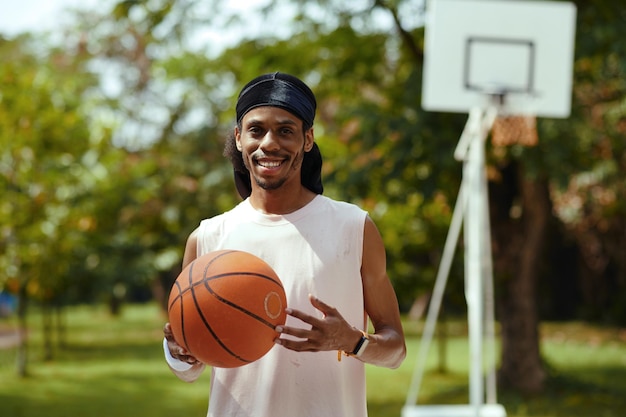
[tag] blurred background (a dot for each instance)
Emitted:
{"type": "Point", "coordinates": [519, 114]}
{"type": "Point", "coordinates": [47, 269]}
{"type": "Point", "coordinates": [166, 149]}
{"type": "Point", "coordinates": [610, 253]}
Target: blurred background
{"type": "Point", "coordinates": [113, 116]}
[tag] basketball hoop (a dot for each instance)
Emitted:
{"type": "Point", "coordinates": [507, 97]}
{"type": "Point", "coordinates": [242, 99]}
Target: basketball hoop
{"type": "Point", "coordinates": [511, 62]}
{"type": "Point", "coordinates": [509, 130]}
{"type": "Point", "coordinates": [515, 121]}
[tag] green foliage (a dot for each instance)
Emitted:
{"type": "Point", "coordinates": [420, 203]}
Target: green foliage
{"type": "Point", "coordinates": [592, 199]}
{"type": "Point", "coordinates": [101, 185]}
{"type": "Point", "coordinates": [44, 137]}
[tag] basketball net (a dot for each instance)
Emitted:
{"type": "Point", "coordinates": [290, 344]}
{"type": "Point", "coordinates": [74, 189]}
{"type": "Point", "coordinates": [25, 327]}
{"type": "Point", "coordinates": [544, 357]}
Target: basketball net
{"type": "Point", "coordinates": [509, 130]}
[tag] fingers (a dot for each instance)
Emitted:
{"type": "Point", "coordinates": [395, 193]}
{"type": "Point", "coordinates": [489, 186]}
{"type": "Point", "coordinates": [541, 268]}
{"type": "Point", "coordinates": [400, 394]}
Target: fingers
{"type": "Point", "coordinates": [302, 316]}
{"type": "Point", "coordinates": [167, 332]}
{"type": "Point", "coordinates": [306, 337]}
{"type": "Point", "coordinates": [299, 345]}
{"type": "Point", "coordinates": [295, 331]}
{"type": "Point", "coordinates": [322, 306]}
{"type": "Point", "coordinates": [191, 360]}
{"type": "Point", "coordinates": [323, 334]}
{"type": "Point", "coordinates": [176, 350]}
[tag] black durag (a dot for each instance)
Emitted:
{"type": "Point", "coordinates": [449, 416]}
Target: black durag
{"type": "Point", "coordinates": [291, 94]}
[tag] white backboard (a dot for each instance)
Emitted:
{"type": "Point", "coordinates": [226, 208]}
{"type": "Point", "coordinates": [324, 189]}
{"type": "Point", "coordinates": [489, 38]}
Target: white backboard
{"type": "Point", "coordinates": [477, 48]}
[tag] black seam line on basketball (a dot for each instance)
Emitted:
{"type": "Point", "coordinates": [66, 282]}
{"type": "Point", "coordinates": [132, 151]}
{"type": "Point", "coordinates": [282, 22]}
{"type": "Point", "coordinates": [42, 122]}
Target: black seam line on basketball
{"type": "Point", "coordinates": [248, 273]}
{"type": "Point", "coordinates": [178, 297]}
{"type": "Point", "coordinates": [226, 274]}
{"type": "Point", "coordinates": [191, 283]}
{"type": "Point", "coordinates": [206, 323]}
{"type": "Point", "coordinates": [182, 310]}
{"type": "Point", "coordinates": [235, 306]}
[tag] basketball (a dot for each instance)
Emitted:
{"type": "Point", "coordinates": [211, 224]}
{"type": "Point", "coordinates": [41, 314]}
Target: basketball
{"type": "Point", "coordinates": [224, 306]}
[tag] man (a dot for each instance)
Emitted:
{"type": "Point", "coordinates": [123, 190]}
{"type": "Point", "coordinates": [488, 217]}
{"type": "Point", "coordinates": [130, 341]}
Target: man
{"type": "Point", "coordinates": [328, 254]}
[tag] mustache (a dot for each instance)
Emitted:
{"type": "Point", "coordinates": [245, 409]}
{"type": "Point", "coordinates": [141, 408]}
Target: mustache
{"type": "Point", "coordinates": [278, 155]}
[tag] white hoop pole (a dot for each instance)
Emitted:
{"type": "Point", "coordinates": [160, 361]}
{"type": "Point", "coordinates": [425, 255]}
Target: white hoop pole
{"type": "Point", "coordinates": [471, 211]}
{"type": "Point", "coordinates": [435, 300]}
{"type": "Point", "coordinates": [489, 310]}
{"type": "Point", "coordinates": [476, 253]}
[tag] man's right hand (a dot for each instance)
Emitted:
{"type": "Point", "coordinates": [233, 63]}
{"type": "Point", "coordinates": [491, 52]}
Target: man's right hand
{"type": "Point", "coordinates": [176, 350]}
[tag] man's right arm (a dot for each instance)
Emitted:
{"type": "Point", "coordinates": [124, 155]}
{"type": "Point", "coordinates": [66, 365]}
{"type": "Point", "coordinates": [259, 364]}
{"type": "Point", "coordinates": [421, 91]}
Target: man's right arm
{"type": "Point", "coordinates": [183, 365]}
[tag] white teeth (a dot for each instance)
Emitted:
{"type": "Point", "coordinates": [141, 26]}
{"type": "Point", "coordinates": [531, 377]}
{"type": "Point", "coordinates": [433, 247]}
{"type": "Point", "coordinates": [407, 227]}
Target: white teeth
{"type": "Point", "coordinates": [269, 164]}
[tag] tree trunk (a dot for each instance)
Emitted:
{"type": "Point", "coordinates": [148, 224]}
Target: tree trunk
{"type": "Point", "coordinates": [61, 328]}
{"type": "Point", "coordinates": [22, 348]}
{"type": "Point", "coordinates": [47, 327]}
{"type": "Point", "coordinates": [521, 210]}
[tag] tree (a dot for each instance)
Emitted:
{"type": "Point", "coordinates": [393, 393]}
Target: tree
{"type": "Point", "coordinates": [43, 138]}
{"type": "Point", "coordinates": [543, 182]}
{"type": "Point", "coordinates": [592, 201]}
{"type": "Point", "coordinates": [381, 150]}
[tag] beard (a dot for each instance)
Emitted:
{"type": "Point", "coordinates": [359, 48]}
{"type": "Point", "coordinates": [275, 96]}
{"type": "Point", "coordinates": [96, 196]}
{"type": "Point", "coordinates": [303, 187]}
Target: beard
{"type": "Point", "coordinates": [276, 183]}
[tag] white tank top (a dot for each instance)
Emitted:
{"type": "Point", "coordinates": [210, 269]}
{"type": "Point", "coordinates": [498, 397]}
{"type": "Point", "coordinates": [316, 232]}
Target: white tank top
{"type": "Point", "coordinates": [315, 250]}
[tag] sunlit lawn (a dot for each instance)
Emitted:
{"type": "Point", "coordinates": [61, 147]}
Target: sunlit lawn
{"type": "Point", "coordinates": [114, 367]}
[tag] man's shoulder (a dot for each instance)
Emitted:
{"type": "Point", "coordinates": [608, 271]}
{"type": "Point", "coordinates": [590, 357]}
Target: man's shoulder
{"type": "Point", "coordinates": [338, 203]}
{"type": "Point", "coordinates": [340, 206]}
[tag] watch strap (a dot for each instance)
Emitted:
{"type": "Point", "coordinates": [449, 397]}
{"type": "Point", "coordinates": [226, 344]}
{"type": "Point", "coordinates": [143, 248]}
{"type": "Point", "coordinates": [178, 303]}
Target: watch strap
{"type": "Point", "coordinates": [361, 345]}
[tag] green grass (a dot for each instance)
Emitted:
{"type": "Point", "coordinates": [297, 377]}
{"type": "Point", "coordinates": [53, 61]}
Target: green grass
{"type": "Point", "coordinates": [114, 367]}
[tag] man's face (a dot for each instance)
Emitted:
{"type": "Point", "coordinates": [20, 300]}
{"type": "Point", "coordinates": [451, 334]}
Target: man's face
{"type": "Point", "coordinates": [273, 145]}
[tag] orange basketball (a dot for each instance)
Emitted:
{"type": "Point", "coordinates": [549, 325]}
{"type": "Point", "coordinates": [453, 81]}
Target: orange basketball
{"type": "Point", "coordinates": [224, 306]}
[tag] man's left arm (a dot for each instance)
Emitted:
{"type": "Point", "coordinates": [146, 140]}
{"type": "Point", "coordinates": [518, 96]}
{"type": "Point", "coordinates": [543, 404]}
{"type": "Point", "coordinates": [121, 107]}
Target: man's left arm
{"type": "Point", "coordinates": [386, 347]}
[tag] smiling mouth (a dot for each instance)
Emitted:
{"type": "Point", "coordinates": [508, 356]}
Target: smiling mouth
{"type": "Point", "coordinates": [269, 164]}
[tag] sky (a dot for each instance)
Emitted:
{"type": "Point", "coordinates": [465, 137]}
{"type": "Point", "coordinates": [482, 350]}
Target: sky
{"type": "Point", "coordinates": [18, 16]}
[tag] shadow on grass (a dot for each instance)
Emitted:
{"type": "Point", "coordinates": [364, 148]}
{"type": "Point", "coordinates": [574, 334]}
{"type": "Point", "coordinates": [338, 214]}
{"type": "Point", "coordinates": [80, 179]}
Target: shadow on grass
{"type": "Point", "coordinates": [384, 409]}
{"type": "Point", "coordinates": [580, 392]}
{"type": "Point", "coordinates": [125, 380]}
{"type": "Point", "coordinates": [117, 394]}
{"type": "Point", "coordinates": [115, 349]}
